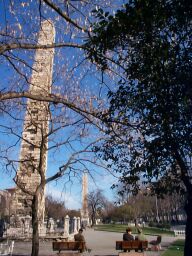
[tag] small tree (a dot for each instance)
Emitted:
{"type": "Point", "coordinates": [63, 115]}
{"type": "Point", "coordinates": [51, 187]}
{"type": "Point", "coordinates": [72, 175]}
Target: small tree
{"type": "Point", "coordinates": [96, 202]}
{"type": "Point", "coordinates": [108, 211]}
{"type": "Point", "coordinates": [54, 208]}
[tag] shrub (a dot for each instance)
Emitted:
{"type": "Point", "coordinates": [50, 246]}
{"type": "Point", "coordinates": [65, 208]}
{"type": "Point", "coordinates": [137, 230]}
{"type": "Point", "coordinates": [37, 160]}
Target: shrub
{"type": "Point", "coordinates": [160, 225]}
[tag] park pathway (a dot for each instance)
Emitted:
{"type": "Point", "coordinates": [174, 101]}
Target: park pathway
{"type": "Point", "coordinates": [102, 244]}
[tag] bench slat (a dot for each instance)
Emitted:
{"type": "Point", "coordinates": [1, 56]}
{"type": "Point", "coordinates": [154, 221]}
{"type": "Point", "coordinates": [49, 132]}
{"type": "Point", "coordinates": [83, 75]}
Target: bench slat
{"type": "Point", "coordinates": [131, 245]}
{"type": "Point", "coordinates": [68, 245]}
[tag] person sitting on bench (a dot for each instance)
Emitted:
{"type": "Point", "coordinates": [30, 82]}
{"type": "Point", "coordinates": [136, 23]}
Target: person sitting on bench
{"type": "Point", "coordinates": [80, 237]}
{"type": "Point", "coordinates": [127, 236]}
{"type": "Point", "coordinates": [141, 236]}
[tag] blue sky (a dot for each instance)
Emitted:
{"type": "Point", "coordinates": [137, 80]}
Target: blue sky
{"type": "Point", "coordinates": [22, 19]}
{"type": "Point", "coordinates": [70, 193]}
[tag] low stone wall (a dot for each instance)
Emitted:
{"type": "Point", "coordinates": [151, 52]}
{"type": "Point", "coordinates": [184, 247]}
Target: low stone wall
{"type": "Point", "coordinates": [50, 229]}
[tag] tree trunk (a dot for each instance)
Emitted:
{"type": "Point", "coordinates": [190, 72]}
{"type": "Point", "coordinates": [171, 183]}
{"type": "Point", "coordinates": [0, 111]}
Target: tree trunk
{"type": "Point", "coordinates": [35, 225]}
{"type": "Point", "coordinates": [176, 216]}
{"type": "Point", "coordinates": [93, 219]}
{"type": "Point", "coordinates": [188, 229]}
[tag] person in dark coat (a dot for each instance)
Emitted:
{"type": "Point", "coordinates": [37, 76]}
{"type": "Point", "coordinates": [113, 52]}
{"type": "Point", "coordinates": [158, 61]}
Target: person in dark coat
{"type": "Point", "coordinates": [80, 237]}
{"type": "Point", "coordinates": [127, 235]}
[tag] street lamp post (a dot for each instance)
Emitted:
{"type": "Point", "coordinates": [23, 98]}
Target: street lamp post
{"type": "Point", "coordinates": [156, 206]}
{"type": "Point", "coordinates": [157, 210]}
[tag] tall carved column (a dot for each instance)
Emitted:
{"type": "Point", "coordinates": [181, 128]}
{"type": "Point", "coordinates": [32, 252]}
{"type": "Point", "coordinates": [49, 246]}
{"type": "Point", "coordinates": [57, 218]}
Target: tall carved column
{"type": "Point", "coordinates": [33, 152]}
{"type": "Point", "coordinates": [84, 210]}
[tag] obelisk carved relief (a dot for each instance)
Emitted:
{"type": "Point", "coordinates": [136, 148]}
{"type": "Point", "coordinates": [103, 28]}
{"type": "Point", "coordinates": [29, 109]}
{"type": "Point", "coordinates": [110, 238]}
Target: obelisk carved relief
{"type": "Point", "coordinates": [84, 210]}
{"type": "Point", "coordinates": [36, 125]}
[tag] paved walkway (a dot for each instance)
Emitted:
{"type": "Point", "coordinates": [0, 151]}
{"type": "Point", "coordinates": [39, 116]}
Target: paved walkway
{"type": "Point", "coordinates": [101, 243]}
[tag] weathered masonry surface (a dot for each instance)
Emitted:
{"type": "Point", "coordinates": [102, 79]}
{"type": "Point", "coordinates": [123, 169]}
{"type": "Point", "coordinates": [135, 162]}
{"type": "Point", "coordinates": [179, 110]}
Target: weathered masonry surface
{"type": "Point", "coordinates": [36, 126]}
{"type": "Point", "coordinates": [84, 210]}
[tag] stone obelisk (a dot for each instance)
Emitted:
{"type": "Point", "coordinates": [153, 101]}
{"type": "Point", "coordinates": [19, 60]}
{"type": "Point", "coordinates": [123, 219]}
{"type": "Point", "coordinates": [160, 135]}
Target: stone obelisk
{"type": "Point", "coordinates": [33, 152]}
{"type": "Point", "coordinates": [84, 210]}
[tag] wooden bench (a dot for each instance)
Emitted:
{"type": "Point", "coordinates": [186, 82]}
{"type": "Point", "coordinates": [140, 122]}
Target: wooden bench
{"type": "Point", "coordinates": [69, 246]}
{"type": "Point", "coordinates": [131, 245]}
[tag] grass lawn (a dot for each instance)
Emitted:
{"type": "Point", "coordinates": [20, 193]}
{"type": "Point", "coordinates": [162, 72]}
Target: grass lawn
{"type": "Point", "coordinates": [176, 249]}
{"type": "Point", "coordinates": [121, 229]}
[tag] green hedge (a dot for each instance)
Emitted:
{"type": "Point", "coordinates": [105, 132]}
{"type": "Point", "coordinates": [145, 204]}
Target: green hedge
{"type": "Point", "coordinates": [160, 225]}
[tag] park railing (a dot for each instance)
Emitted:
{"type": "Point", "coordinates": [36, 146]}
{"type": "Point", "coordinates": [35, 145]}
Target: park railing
{"type": "Point", "coordinates": [179, 232]}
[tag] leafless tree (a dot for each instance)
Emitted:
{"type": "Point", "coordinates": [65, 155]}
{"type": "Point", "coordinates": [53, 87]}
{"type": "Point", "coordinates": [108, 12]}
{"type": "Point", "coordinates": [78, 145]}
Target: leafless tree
{"type": "Point", "coordinates": [75, 104]}
{"type": "Point", "coordinates": [96, 202]}
{"type": "Point", "coordinates": [54, 208]}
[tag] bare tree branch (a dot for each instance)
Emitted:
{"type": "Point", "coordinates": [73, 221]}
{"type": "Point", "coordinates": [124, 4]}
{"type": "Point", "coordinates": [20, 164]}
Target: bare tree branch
{"type": "Point", "coordinates": [64, 15]}
{"type": "Point", "coordinates": [13, 46]}
{"type": "Point", "coordinates": [49, 98]}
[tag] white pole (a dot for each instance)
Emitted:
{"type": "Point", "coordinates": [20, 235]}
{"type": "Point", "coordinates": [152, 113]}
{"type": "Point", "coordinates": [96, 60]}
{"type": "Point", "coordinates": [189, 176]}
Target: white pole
{"type": "Point", "coordinates": [157, 210]}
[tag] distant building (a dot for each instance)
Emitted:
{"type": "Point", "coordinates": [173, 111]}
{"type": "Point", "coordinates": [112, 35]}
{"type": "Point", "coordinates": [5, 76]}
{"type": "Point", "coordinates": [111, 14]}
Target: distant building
{"type": "Point", "coordinates": [6, 197]}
